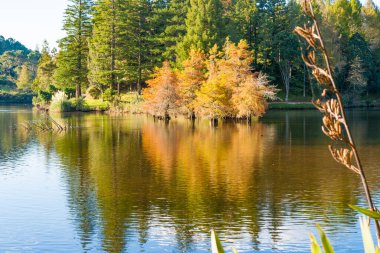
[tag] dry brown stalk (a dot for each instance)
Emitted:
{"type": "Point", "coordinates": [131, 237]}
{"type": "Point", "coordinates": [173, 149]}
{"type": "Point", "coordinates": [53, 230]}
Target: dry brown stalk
{"type": "Point", "coordinates": [335, 124]}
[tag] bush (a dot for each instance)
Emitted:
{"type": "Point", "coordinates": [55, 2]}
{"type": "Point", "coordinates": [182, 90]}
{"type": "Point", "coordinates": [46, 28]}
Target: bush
{"type": "Point", "coordinates": [94, 92]}
{"type": "Point", "coordinates": [52, 89]}
{"type": "Point", "coordinates": [70, 92]}
{"type": "Point", "coordinates": [60, 103]}
{"type": "Point", "coordinates": [96, 105]}
{"type": "Point", "coordinates": [108, 94]}
{"type": "Point", "coordinates": [44, 96]}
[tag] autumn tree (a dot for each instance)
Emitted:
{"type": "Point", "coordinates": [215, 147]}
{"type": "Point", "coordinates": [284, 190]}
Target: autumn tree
{"type": "Point", "coordinates": [250, 98]}
{"type": "Point", "coordinates": [191, 79]}
{"type": "Point", "coordinates": [161, 95]}
{"type": "Point", "coordinates": [214, 99]}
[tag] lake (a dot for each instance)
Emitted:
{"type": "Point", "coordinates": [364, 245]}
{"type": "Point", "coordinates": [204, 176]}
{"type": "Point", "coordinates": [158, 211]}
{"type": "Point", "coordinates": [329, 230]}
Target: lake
{"type": "Point", "coordinates": [130, 184]}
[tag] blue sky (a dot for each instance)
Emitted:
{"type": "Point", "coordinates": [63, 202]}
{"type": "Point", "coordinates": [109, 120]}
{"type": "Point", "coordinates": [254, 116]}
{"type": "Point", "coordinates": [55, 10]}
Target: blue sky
{"type": "Point", "coordinates": [32, 21]}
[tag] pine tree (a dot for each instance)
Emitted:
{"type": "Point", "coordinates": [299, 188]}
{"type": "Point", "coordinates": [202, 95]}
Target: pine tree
{"type": "Point", "coordinates": [46, 68]}
{"type": "Point", "coordinates": [142, 57]}
{"type": "Point", "coordinates": [203, 26]}
{"type": "Point", "coordinates": [109, 47]}
{"type": "Point", "coordinates": [72, 65]}
{"type": "Point", "coordinates": [171, 27]}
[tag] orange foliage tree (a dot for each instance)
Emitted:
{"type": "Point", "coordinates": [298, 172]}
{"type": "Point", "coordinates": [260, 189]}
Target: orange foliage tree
{"type": "Point", "coordinates": [250, 97]}
{"type": "Point", "coordinates": [222, 86]}
{"type": "Point", "coordinates": [191, 80]}
{"type": "Point", "coordinates": [161, 95]}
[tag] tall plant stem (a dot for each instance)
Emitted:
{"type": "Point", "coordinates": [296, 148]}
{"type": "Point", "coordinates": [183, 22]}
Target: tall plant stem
{"type": "Point", "coordinates": [345, 124]}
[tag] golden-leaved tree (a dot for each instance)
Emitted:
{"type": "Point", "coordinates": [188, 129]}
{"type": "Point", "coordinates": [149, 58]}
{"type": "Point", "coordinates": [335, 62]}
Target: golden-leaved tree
{"type": "Point", "coordinates": [161, 95]}
{"type": "Point", "coordinates": [232, 88]}
{"type": "Point", "coordinates": [223, 86]}
{"type": "Point", "coordinates": [214, 97]}
{"type": "Point", "coordinates": [191, 80]}
{"type": "Point", "coordinates": [250, 97]}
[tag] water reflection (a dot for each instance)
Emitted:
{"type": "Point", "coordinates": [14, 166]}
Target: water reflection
{"type": "Point", "coordinates": [135, 185]}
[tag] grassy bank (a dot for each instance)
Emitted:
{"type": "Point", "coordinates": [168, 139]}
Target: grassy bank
{"type": "Point", "coordinates": [16, 97]}
{"type": "Point", "coordinates": [79, 105]}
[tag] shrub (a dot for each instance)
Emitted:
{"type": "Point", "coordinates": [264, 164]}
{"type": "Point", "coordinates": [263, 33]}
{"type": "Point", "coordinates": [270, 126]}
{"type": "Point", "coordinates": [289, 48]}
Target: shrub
{"type": "Point", "coordinates": [60, 103]}
{"type": "Point", "coordinates": [94, 92]}
{"type": "Point", "coordinates": [44, 96]}
{"type": "Point", "coordinates": [108, 94]}
{"type": "Point", "coordinates": [70, 92]}
{"type": "Point", "coordinates": [52, 89]}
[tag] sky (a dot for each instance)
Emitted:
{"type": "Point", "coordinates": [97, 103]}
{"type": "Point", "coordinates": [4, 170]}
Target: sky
{"type": "Point", "coordinates": [33, 21]}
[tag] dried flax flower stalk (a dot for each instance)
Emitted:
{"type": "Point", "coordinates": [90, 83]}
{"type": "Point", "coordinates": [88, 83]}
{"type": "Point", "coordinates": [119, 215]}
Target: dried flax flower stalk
{"type": "Point", "coordinates": [335, 124]}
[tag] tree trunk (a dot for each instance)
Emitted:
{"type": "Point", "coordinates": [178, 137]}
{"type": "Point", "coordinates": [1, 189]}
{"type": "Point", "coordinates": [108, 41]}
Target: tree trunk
{"type": "Point", "coordinates": [286, 74]}
{"type": "Point", "coordinates": [304, 79]}
{"type": "Point", "coordinates": [113, 45]}
{"type": "Point", "coordinates": [214, 122]}
{"type": "Point", "coordinates": [78, 91]}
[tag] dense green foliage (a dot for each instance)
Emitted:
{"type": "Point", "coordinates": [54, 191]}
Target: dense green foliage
{"type": "Point", "coordinates": [18, 65]}
{"type": "Point", "coordinates": [116, 45]}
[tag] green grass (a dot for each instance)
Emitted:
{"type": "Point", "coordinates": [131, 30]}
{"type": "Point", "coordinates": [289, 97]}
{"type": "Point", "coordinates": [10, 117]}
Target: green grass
{"type": "Point", "coordinates": [79, 105]}
{"type": "Point", "coordinates": [128, 103]}
{"type": "Point", "coordinates": [94, 105]}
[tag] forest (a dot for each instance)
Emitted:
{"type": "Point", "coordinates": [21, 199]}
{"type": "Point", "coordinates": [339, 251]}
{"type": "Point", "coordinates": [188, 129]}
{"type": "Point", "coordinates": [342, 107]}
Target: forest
{"type": "Point", "coordinates": [201, 55]}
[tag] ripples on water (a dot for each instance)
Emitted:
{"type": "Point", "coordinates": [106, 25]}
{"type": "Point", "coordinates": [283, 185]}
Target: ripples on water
{"type": "Point", "coordinates": [129, 184]}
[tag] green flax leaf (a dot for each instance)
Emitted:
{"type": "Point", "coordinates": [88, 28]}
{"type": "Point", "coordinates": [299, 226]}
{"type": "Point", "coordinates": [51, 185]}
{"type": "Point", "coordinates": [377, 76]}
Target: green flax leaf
{"type": "Point", "coordinates": [325, 241]}
{"type": "Point", "coordinates": [216, 245]}
{"type": "Point", "coordinates": [369, 213]}
{"type": "Point", "coordinates": [315, 248]}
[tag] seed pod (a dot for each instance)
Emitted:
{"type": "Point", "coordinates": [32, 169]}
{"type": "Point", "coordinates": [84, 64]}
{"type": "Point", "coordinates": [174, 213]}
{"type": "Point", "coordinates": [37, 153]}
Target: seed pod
{"type": "Point", "coordinates": [344, 157]}
{"type": "Point", "coordinates": [322, 76]}
{"type": "Point", "coordinates": [307, 34]}
{"type": "Point", "coordinates": [319, 105]}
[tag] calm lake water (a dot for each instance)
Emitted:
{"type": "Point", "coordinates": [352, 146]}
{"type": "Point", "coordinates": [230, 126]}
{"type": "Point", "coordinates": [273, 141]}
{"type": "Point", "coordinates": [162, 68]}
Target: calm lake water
{"type": "Point", "coordinates": [129, 184]}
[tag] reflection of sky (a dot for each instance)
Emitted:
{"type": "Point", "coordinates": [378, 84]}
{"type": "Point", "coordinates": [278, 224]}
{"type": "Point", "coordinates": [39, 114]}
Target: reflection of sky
{"type": "Point", "coordinates": [40, 207]}
{"type": "Point", "coordinates": [30, 22]}
{"type": "Point", "coordinates": [45, 221]}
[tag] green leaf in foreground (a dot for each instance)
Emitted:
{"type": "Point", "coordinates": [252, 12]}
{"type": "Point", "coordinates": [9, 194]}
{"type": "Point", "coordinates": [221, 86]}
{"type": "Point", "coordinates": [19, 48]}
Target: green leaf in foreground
{"type": "Point", "coordinates": [369, 213]}
{"type": "Point", "coordinates": [325, 241]}
{"type": "Point", "coordinates": [315, 248]}
{"type": "Point", "coordinates": [366, 234]}
{"type": "Point", "coordinates": [216, 245]}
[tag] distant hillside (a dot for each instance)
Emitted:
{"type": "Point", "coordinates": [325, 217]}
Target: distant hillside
{"type": "Point", "coordinates": [11, 45]}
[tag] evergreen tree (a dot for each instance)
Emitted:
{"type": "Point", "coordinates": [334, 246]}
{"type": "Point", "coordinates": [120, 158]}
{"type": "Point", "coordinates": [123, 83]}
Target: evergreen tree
{"type": "Point", "coordinates": [72, 66]}
{"type": "Point", "coordinates": [142, 56]}
{"type": "Point", "coordinates": [24, 80]}
{"type": "Point", "coordinates": [45, 71]}
{"type": "Point", "coordinates": [203, 27]}
{"type": "Point", "coordinates": [171, 27]}
{"type": "Point", "coordinates": [109, 47]}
